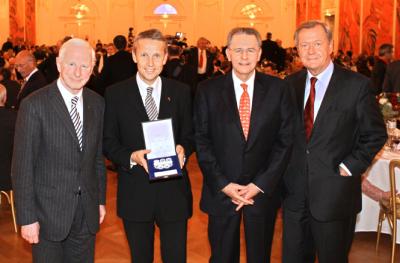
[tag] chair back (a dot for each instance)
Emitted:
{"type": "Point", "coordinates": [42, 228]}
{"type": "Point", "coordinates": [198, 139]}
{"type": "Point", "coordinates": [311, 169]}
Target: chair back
{"type": "Point", "coordinates": [394, 198]}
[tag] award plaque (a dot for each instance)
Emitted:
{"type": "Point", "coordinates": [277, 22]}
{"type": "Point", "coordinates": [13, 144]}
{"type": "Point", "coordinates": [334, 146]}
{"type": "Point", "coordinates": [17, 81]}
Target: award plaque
{"type": "Point", "coordinates": [162, 161]}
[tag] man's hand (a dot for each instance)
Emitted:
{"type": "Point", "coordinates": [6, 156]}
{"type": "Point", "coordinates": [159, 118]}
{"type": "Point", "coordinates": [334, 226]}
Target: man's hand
{"type": "Point", "coordinates": [180, 151]}
{"type": "Point", "coordinates": [139, 158]}
{"type": "Point", "coordinates": [249, 192]}
{"type": "Point", "coordinates": [31, 233]}
{"type": "Point", "coordinates": [102, 213]}
{"type": "Point", "coordinates": [343, 172]}
{"type": "Point", "coordinates": [235, 192]}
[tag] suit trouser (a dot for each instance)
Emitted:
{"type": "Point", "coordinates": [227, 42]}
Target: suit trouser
{"type": "Point", "coordinates": [304, 237]}
{"type": "Point", "coordinates": [78, 247]}
{"type": "Point", "coordinates": [173, 236]}
{"type": "Point", "coordinates": [224, 237]}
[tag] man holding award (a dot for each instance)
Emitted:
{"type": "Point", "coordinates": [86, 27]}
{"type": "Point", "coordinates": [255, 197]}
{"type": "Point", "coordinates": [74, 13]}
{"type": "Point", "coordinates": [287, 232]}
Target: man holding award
{"type": "Point", "coordinates": [243, 134]}
{"type": "Point", "coordinates": [147, 133]}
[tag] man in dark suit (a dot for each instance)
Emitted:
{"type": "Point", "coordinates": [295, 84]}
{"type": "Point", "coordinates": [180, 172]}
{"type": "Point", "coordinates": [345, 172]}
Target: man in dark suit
{"type": "Point", "coordinates": [12, 87]}
{"type": "Point", "coordinates": [119, 66]}
{"type": "Point", "coordinates": [175, 68]}
{"type": "Point", "coordinates": [379, 69]}
{"type": "Point", "coordinates": [7, 126]}
{"type": "Point", "coordinates": [243, 134]}
{"type": "Point", "coordinates": [392, 77]}
{"type": "Point", "coordinates": [338, 131]}
{"type": "Point", "coordinates": [201, 60]}
{"type": "Point", "coordinates": [58, 171]}
{"type": "Point", "coordinates": [25, 63]}
{"type": "Point", "coordinates": [270, 49]}
{"type": "Point", "coordinates": [141, 203]}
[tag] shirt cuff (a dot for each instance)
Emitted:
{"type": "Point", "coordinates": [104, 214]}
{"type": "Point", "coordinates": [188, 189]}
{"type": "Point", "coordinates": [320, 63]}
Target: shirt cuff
{"type": "Point", "coordinates": [132, 163]}
{"type": "Point", "coordinates": [259, 188]}
{"type": "Point", "coordinates": [345, 168]}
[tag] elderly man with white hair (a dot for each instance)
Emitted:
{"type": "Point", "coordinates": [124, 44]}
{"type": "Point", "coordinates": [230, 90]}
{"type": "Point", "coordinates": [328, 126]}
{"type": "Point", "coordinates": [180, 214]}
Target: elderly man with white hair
{"type": "Point", "coordinates": [58, 171]}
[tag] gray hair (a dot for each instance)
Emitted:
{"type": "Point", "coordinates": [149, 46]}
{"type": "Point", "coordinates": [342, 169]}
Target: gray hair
{"type": "Point", "coordinates": [153, 34]}
{"type": "Point", "coordinates": [311, 24]}
{"type": "Point", "coordinates": [244, 30]}
{"type": "Point", "coordinates": [76, 42]}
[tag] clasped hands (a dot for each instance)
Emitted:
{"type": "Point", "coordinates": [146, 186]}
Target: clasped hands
{"type": "Point", "coordinates": [241, 195]}
{"type": "Point", "coordinates": [139, 157]}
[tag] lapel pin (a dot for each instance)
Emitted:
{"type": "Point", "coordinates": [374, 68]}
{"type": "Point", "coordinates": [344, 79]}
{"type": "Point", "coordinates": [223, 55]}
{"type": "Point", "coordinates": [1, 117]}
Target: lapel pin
{"type": "Point", "coordinates": [169, 99]}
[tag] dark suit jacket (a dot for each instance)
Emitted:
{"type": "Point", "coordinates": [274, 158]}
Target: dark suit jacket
{"type": "Point", "coordinates": [48, 166]}
{"type": "Point", "coordinates": [378, 75]}
{"type": "Point", "coordinates": [349, 129]}
{"type": "Point", "coordinates": [117, 67]}
{"type": "Point", "coordinates": [12, 88]}
{"type": "Point", "coordinates": [138, 199]}
{"type": "Point", "coordinates": [392, 77]}
{"type": "Point", "coordinates": [35, 82]}
{"type": "Point", "coordinates": [175, 69]}
{"type": "Point", "coordinates": [222, 151]}
{"type": "Point", "coordinates": [49, 68]}
{"type": "Point", "coordinates": [7, 126]}
{"type": "Point", "coordinates": [270, 50]}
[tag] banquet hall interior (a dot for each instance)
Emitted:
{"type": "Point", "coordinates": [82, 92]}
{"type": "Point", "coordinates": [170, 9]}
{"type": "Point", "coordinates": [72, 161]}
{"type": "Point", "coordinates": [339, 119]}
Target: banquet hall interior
{"type": "Point", "coordinates": [360, 28]}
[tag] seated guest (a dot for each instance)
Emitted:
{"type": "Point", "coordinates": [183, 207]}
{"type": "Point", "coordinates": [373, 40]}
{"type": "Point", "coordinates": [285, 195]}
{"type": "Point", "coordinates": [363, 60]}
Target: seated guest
{"type": "Point", "coordinates": [7, 124]}
{"type": "Point", "coordinates": [25, 63]}
{"type": "Point", "coordinates": [12, 87]}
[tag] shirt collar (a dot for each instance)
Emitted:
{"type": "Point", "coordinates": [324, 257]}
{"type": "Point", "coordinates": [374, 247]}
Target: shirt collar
{"type": "Point", "coordinates": [143, 85]}
{"type": "Point", "coordinates": [325, 76]}
{"type": "Point", "coordinates": [249, 82]}
{"type": "Point", "coordinates": [66, 94]}
{"type": "Point", "coordinates": [30, 75]}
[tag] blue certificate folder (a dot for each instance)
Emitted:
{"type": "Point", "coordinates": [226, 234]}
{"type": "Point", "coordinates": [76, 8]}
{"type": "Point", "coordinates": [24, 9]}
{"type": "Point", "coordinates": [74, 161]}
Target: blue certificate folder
{"type": "Point", "coordinates": [162, 161]}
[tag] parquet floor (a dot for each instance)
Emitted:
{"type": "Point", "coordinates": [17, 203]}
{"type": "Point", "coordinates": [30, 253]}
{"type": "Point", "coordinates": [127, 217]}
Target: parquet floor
{"type": "Point", "coordinates": [111, 245]}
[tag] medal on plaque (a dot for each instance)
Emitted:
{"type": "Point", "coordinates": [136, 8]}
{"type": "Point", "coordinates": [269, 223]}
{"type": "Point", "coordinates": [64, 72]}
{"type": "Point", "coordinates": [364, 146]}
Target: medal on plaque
{"type": "Point", "coordinates": [162, 161]}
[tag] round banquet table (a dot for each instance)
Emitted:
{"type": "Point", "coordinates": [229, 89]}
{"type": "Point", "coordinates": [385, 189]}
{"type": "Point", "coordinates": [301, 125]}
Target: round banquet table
{"type": "Point", "coordinates": [377, 174]}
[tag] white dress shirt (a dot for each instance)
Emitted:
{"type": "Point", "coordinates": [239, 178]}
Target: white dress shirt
{"type": "Point", "coordinates": [239, 92]}
{"type": "Point", "coordinates": [156, 90]}
{"type": "Point", "coordinates": [239, 89]}
{"type": "Point", "coordinates": [67, 96]}
{"type": "Point", "coordinates": [321, 86]}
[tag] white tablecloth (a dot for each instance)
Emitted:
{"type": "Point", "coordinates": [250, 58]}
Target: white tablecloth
{"type": "Point", "coordinates": [377, 174]}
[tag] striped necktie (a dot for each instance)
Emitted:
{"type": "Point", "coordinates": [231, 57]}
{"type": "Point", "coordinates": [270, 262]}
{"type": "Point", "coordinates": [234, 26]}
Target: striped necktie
{"type": "Point", "coordinates": [150, 104]}
{"type": "Point", "coordinates": [76, 120]}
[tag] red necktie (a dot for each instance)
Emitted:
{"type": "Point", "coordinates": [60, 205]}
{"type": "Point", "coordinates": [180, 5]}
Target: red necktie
{"type": "Point", "coordinates": [244, 110]}
{"type": "Point", "coordinates": [201, 59]}
{"type": "Point", "coordinates": [309, 110]}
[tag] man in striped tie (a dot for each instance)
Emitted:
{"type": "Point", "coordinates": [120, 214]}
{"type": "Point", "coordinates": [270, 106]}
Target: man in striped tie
{"type": "Point", "coordinates": [142, 204]}
{"type": "Point", "coordinates": [58, 171]}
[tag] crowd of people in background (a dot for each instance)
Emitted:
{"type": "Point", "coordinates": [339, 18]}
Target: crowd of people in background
{"type": "Point", "coordinates": [114, 63]}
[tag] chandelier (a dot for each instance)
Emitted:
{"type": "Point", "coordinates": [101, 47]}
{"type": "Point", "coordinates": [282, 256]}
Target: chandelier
{"type": "Point", "coordinates": [79, 10]}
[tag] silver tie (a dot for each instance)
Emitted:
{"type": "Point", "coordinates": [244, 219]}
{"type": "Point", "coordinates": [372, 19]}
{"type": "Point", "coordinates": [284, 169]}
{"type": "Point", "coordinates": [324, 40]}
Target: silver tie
{"type": "Point", "coordinates": [150, 104]}
{"type": "Point", "coordinates": [76, 120]}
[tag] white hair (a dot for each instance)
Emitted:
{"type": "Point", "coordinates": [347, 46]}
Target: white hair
{"type": "Point", "coordinates": [76, 42]}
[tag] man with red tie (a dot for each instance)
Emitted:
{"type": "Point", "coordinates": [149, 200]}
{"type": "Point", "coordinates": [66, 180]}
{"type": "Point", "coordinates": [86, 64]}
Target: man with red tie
{"type": "Point", "coordinates": [243, 133]}
{"type": "Point", "coordinates": [338, 131]}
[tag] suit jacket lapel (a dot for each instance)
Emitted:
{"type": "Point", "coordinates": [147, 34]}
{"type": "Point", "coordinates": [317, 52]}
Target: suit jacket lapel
{"type": "Point", "coordinates": [259, 94]}
{"type": "Point", "coordinates": [228, 96]}
{"type": "Point", "coordinates": [300, 90]}
{"type": "Point", "coordinates": [136, 99]}
{"type": "Point", "coordinates": [329, 96]}
{"type": "Point", "coordinates": [60, 108]}
{"type": "Point", "coordinates": [165, 100]}
{"type": "Point", "coordinates": [88, 117]}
